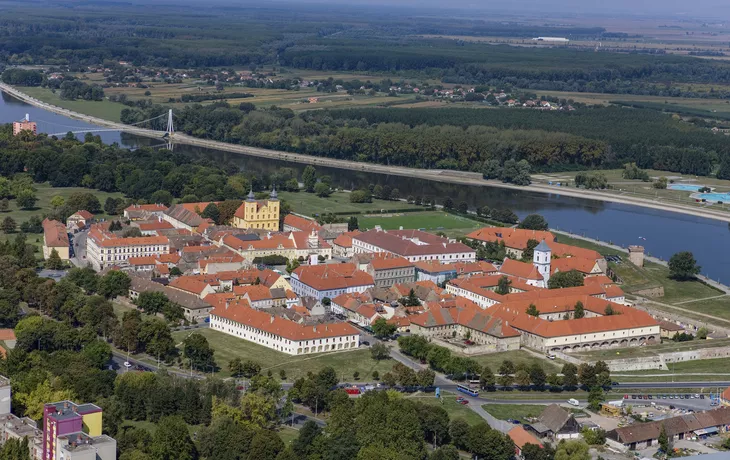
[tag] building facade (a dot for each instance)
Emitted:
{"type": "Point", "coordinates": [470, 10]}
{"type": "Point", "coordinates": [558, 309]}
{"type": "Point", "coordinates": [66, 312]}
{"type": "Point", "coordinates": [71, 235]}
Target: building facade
{"type": "Point", "coordinates": [239, 320]}
{"type": "Point", "coordinates": [258, 214]}
{"type": "Point", "coordinates": [104, 249]}
{"type": "Point", "coordinates": [55, 237]}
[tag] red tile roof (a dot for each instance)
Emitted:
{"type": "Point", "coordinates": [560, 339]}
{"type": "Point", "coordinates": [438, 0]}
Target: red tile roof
{"type": "Point", "coordinates": [54, 234]}
{"type": "Point", "coordinates": [155, 225]}
{"type": "Point", "coordinates": [146, 260]}
{"type": "Point", "coordinates": [411, 243]}
{"type": "Point", "coordinates": [84, 214]}
{"type": "Point", "coordinates": [253, 292]}
{"type": "Point", "coordinates": [189, 284]}
{"type": "Point", "coordinates": [566, 250]}
{"type": "Point", "coordinates": [300, 223]}
{"type": "Point", "coordinates": [579, 264]}
{"type": "Point", "coordinates": [200, 206]}
{"type": "Point", "coordinates": [521, 437]}
{"type": "Point", "coordinates": [385, 261]}
{"type": "Point", "coordinates": [240, 312]}
{"type": "Point", "coordinates": [627, 318]}
{"type": "Point", "coordinates": [107, 239]}
{"type": "Point", "coordinates": [515, 238]}
{"type": "Point", "coordinates": [326, 277]}
{"type": "Point", "coordinates": [519, 269]}
{"type": "Point", "coordinates": [345, 240]}
{"type": "Point", "coordinates": [476, 319]}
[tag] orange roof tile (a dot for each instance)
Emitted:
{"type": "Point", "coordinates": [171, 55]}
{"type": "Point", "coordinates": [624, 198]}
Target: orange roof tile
{"type": "Point", "coordinates": [566, 250]}
{"type": "Point", "coordinates": [345, 240]}
{"type": "Point", "coordinates": [521, 437]}
{"type": "Point", "coordinates": [326, 277]}
{"type": "Point", "coordinates": [385, 261]}
{"type": "Point", "coordinates": [7, 334]}
{"type": "Point", "coordinates": [189, 284]}
{"type": "Point", "coordinates": [300, 223]}
{"type": "Point", "coordinates": [107, 239]}
{"type": "Point", "coordinates": [255, 292]}
{"type": "Point", "coordinates": [200, 206]}
{"type": "Point", "coordinates": [515, 238]}
{"type": "Point", "coordinates": [54, 234]}
{"type": "Point", "coordinates": [145, 260]}
{"type": "Point", "coordinates": [579, 264]}
{"type": "Point", "coordinates": [156, 225]}
{"type": "Point", "coordinates": [519, 269]}
{"type": "Point", "coordinates": [84, 214]}
{"type": "Point", "coordinates": [241, 313]}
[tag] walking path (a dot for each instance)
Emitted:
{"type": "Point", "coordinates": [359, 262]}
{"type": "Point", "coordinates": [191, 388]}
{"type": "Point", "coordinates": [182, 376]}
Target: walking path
{"type": "Point", "coordinates": [456, 177]}
{"type": "Point", "coordinates": [698, 300]}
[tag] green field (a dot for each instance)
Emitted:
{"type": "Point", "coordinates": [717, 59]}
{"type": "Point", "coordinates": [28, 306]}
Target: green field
{"type": "Point", "coordinates": [448, 402]}
{"type": "Point", "coordinates": [519, 412]}
{"type": "Point", "coordinates": [310, 204]}
{"type": "Point", "coordinates": [344, 363]}
{"type": "Point", "coordinates": [494, 360]}
{"type": "Point", "coordinates": [101, 109]}
{"type": "Point", "coordinates": [44, 193]}
{"type": "Point", "coordinates": [432, 221]}
{"type": "Point", "coordinates": [288, 434]}
{"type": "Point", "coordinates": [514, 411]}
{"type": "Point", "coordinates": [707, 366]}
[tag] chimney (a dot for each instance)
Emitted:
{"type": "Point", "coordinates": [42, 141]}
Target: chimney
{"type": "Point", "coordinates": [228, 304]}
{"type": "Point", "coordinates": [314, 328]}
{"type": "Point", "coordinates": [272, 319]}
{"type": "Point", "coordinates": [27, 117]}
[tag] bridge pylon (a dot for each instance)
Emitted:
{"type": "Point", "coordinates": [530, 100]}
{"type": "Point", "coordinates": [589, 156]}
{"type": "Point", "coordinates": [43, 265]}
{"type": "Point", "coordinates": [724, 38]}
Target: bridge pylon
{"type": "Point", "coordinates": [170, 130]}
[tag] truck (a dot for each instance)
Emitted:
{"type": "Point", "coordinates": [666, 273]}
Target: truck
{"type": "Point", "coordinates": [352, 391]}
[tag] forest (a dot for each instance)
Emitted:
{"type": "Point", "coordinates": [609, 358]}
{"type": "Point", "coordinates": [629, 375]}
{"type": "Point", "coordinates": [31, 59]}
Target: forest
{"type": "Point", "coordinates": [464, 139]}
{"type": "Point", "coordinates": [355, 38]}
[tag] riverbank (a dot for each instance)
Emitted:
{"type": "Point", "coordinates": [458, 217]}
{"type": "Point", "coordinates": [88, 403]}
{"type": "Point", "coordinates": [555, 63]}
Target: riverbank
{"type": "Point", "coordinates": [455, 177]}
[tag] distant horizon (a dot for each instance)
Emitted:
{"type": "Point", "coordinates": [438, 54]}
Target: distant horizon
{"type": "Point", "coordinates": [700, 9]}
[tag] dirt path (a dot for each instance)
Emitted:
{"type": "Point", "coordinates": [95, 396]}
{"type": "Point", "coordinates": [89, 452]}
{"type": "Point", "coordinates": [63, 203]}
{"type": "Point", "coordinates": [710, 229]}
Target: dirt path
{"type": "Point", "coordinates": [456, 177]}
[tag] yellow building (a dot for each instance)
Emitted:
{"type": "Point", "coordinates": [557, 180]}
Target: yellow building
{"type": "Point", "coordinates": [258, 214]}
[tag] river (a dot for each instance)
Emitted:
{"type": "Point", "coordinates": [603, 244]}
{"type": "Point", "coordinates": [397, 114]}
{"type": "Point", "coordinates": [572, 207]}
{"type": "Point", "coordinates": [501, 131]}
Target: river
{"type": "Point", "coordinates": [665, 232]}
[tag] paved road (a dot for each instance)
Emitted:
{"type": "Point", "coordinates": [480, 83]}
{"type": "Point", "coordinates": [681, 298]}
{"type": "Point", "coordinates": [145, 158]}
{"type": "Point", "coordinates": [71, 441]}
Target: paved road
{"type": "Point", "coordinates": [79, 249]}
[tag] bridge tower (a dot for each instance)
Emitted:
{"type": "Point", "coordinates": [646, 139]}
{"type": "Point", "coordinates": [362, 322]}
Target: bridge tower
{"type": "Point", "coordinates": [170, 129]}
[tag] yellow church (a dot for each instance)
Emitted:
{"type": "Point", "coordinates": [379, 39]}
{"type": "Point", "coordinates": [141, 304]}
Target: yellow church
{"type": "Point", "coordinates": [258, 214]}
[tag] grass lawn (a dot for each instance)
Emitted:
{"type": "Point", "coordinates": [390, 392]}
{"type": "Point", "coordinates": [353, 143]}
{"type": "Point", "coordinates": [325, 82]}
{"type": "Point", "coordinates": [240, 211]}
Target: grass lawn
{"type": "Point", "coordinates": [494, 360]}
{"type": "Point", "coordinates": [44, 193]}
{"type": "Point", "coordinates": [288, 434]}
{"type": "Point", "coordinates": [344, 363]}
{"type": "Point", "coordinates": [310, 204]}
{"type": "Point", "coordinates": [152, 427]}
{"type": "Point", "coordinates": [448, 402]}
{"type": "Point", "coordinates": [102, 109]}
{"type": "Point", "coordinates": [717, 365]}
{"type": "Point", "coordinates": [514, 411]}
{"type": "Point", "coordinates": [426, 220]}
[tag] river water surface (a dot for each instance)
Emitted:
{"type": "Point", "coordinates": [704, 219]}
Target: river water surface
{"type": "Point", "coordinates": [665, 232]}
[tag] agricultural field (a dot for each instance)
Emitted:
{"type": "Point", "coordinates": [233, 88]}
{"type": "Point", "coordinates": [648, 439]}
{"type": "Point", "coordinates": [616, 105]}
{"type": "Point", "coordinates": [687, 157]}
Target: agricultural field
{"type": "Point", "coordinates": [344, 363]}
{"type": "Point", "coordinates": [310, 204]}
{"type": "Point", "coordinates": [102, 109]}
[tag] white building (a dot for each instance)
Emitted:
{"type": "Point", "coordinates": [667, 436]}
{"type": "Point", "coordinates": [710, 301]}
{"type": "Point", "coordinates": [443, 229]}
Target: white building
{"type": "Point", "coordinates": [413, 245]}
{"type": "Point", "coordinates": [104, 249]}
{"type": "Point", "coordinates": [236, 318]}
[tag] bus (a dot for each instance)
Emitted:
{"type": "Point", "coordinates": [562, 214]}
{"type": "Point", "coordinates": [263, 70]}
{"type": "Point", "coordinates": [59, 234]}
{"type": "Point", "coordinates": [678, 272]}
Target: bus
{"type": "Point", "coordinates": [467, 390]}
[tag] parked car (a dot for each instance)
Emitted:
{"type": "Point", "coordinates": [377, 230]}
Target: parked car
{"type": "Point", "coordinates": [464, 402]}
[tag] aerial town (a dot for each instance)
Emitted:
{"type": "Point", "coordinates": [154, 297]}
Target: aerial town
{"type": "Point", "coordinates": [364, 230]}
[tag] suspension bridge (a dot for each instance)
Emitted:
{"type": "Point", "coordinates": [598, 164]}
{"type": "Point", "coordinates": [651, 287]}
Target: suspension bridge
{"type": "Point", "coordinates": [168, 132]}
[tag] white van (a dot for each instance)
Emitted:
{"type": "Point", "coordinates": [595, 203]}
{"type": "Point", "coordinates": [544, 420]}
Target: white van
{"type": "Point", "coordinates": [573, 402]}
